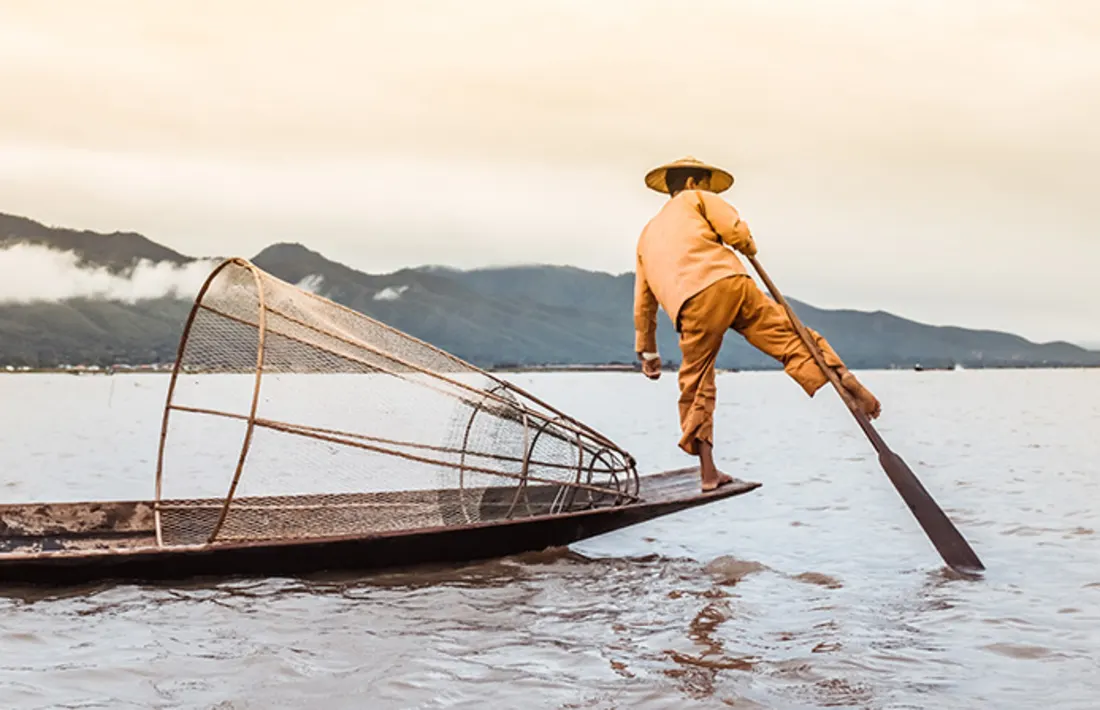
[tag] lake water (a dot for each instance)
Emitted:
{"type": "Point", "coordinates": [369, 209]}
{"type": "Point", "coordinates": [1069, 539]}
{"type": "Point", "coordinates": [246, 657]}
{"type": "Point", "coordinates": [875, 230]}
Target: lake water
{"type": "Point", "coordinates": [817, 590]}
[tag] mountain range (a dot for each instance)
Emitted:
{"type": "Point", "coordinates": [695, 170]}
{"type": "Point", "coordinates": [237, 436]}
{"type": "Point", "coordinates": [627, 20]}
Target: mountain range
{"type": "Point", "coordinates": [494, 317]}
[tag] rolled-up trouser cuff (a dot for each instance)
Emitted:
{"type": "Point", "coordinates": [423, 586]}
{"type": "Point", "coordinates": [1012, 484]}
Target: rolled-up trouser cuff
{"type": "Point", "coordinates": [808, 375]}
{"type": "Point", "coordinates": [694, 432]}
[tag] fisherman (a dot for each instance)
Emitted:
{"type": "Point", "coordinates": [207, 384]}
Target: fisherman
{"type": "Point", "coordinates": [685, 263]}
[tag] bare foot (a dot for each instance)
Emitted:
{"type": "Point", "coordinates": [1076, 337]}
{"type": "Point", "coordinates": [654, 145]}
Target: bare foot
{"type": "Point", "coordinates": [718, 481]}
{"type": "Point", "coordinates": [712, 477]}
{"type": "Point", "coordinates": [866, 401]}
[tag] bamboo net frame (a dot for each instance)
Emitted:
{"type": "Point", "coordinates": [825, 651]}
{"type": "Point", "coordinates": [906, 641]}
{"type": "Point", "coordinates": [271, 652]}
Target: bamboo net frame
{"type": "Point", "coordinates": [400, 409]}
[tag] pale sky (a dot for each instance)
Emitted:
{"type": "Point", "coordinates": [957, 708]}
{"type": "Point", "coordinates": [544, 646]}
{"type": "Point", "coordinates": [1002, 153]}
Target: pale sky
{"type": "Point", "coordinates": [935, 159]}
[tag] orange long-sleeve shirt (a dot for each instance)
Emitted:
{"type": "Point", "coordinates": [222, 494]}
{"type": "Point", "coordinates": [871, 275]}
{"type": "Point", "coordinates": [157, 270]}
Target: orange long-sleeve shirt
{"type": "Point", "coordinates": [681, 252]}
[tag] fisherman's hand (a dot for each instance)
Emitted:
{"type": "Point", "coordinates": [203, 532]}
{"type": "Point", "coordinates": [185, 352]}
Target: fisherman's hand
{"type": "Point", "coordinates": [652, 368]}
{"type": "Point", "coordinates": [748, 248]}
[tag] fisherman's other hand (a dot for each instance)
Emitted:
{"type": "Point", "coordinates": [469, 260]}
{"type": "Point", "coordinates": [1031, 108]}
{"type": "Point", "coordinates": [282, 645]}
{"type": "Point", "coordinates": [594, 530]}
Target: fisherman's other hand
{"type": "Point", "coordinates": [652, 368]}
{"type": "Point", "coordinates": [749, 249]}
{"type": "Point", "coordinates": [747, 245]}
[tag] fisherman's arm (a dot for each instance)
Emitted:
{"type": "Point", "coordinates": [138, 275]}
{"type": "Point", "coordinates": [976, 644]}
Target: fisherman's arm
{"type": "Point", "coordinates": [645, 321]}
{"type": "Point", "coordinates": [727, 223]}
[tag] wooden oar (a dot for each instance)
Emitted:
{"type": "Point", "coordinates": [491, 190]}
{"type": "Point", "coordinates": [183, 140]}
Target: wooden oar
{"type": "Point", "coordinates": [948, 541]}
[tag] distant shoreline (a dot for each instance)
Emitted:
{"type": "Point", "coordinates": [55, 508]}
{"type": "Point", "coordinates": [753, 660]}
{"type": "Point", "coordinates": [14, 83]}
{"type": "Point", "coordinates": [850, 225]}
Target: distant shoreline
{"type": "Point", "coordinates": [720, 370]}
{"type": "Point", "coordinates": [536, 369]}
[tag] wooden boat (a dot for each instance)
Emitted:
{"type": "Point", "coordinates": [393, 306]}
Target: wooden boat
{"type": "Point", "coordinates": [69, 543]}
{"type": "Point", "coordinates": [362, 447]}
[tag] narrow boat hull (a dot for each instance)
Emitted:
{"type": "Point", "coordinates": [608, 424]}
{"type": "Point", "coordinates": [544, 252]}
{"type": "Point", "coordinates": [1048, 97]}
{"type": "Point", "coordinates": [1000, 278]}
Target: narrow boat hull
{"type": "Point", "coordinates": [41, 544]}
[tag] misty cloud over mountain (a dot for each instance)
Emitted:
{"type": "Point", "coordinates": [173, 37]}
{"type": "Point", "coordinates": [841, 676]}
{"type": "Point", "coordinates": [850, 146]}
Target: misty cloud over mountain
{"type": "Point", "coordinates": [32, 273]}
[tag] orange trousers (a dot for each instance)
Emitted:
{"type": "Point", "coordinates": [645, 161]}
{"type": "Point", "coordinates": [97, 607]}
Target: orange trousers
{"type": "Point", "coordinates": [736, 303]}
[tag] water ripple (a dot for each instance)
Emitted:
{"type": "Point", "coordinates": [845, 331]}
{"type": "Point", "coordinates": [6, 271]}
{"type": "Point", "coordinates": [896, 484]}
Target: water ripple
{"type": "Point", "coordinates": [819, 590]}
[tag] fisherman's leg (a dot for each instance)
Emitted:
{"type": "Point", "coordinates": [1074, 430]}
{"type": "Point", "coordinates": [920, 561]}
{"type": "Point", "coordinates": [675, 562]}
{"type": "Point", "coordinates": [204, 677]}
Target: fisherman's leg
{"type": "Point", "coordinates": [699, 350]}
{"type": "Point", "coordinates": [764, 323]}
{"type": "Point", "coordinates": [703, 323]}
{"type": "Point", "coordinates": [698, 394]}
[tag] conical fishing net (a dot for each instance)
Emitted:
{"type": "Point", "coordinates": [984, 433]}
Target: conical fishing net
{"type": "Point", "coordinates": [292, 417]}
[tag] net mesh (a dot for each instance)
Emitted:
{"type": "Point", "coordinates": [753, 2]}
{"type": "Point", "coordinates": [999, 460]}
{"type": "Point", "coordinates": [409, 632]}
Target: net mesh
{"type": "Point", "coordinates": [290, 416]}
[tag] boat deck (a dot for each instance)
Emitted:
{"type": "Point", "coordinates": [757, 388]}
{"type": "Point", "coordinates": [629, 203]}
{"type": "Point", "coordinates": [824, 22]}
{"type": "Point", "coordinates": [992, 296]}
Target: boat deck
{"type": "Point", "coordinates": [428, 525]}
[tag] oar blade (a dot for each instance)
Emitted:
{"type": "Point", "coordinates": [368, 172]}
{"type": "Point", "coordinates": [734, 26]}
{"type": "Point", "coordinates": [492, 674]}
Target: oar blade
{"type": "Point", "coordinates": [945, 537]}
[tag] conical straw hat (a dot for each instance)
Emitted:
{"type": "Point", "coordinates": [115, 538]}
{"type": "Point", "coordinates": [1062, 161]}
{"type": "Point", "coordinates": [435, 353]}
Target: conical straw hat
{"type": "Point", "coordinates": [720, 180]}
